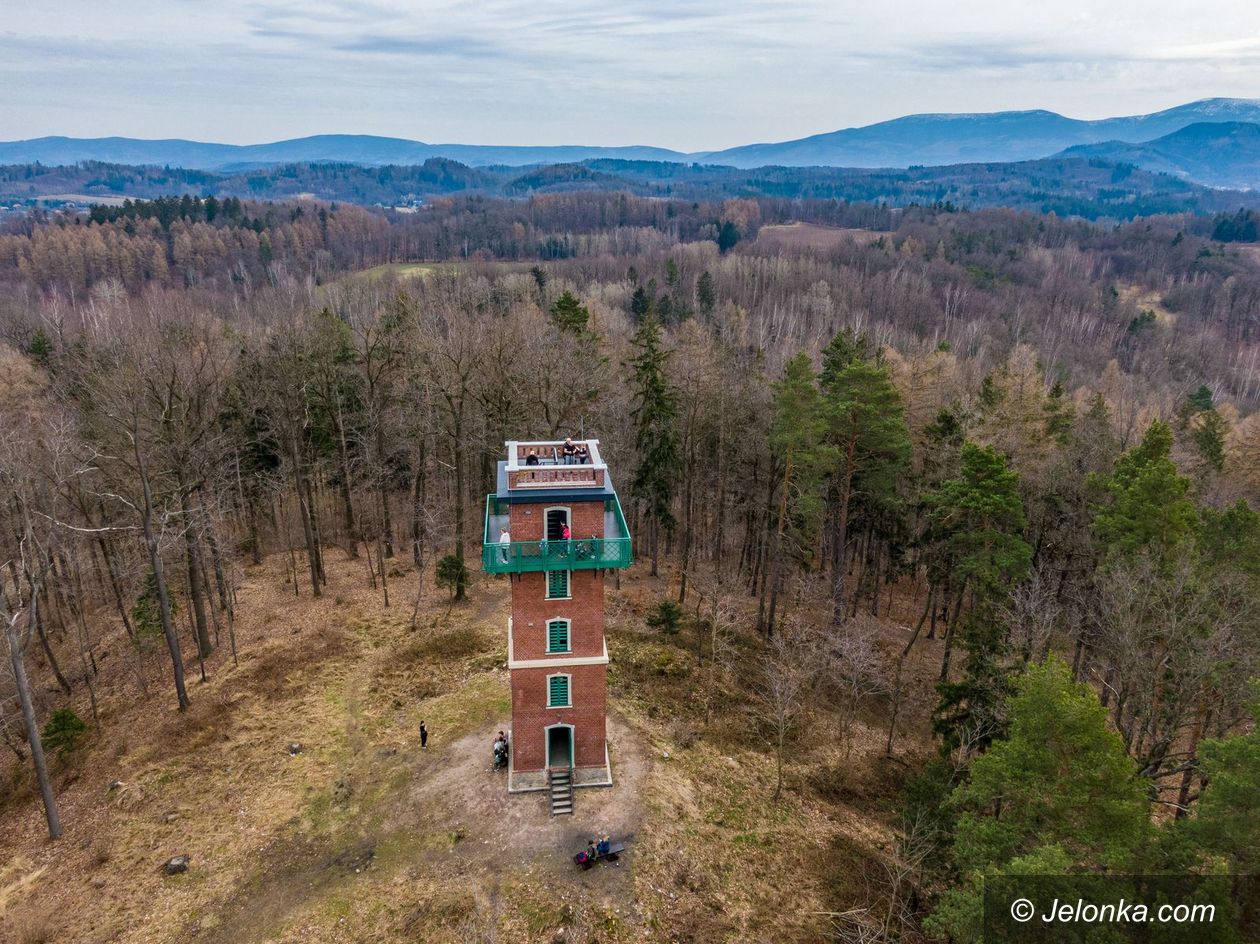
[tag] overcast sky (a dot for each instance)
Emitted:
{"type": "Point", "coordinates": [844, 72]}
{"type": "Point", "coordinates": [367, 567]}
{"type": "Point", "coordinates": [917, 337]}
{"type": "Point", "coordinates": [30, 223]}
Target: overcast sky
{"type": "Point", "coordinates": [687, 74]}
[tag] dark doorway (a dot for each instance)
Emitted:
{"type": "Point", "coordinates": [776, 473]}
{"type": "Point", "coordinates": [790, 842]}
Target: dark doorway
{"type": "Point", "coordinates": [557, 518]}
{"type": "Point", "coordinates": [560, 747]}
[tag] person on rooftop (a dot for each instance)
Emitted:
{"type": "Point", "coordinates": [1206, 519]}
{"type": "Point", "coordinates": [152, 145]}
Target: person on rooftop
{"type": "Point", "coordinates": [569, 451]}
{"type": "Point", "coordinates": [532, 457]}
{"type": "Point", "coordinates": [583, 453]}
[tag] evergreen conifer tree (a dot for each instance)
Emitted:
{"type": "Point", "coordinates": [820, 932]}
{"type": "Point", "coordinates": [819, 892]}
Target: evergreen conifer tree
{"type": "Point", "coordinates": [655, 416]}
{"type": "Point", "coordinates": [568, 314]}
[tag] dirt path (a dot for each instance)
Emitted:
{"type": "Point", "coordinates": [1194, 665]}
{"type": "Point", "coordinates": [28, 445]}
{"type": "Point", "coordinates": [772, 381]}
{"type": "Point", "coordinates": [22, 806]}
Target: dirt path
{"type": "Point", "coordinates": [518, 829]}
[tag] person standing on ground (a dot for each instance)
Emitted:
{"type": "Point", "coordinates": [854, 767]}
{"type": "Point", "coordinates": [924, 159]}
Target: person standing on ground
{"type": "Point", "coordinates": [424, 737]}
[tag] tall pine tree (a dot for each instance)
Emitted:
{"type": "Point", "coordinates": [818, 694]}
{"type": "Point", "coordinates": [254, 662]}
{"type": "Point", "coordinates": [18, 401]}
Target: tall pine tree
{"type": "Point", "coordinates": [978, 524]}
{"type": "Point", "coordinates": [798, 440]}
{"type": "Point", "coordinates": [867, 429]}
{"type": "Point", "coordinates": [655, 417]}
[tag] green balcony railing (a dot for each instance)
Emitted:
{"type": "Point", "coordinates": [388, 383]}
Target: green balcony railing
{"type": "Point", "coordinates": [612, 551]}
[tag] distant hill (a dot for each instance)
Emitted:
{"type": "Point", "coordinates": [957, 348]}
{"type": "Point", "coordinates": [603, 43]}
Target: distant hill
{"type": "Point", "coordinates": [902, 142]}
{"type": "Point", "coordinates": [986, 137]}
{"type": "Point", "coordinates": [1068, 186]}
{"type": "Point", "coordinates": [333, 148]}
{"type": "Point", "coordinates": [1219, 154]}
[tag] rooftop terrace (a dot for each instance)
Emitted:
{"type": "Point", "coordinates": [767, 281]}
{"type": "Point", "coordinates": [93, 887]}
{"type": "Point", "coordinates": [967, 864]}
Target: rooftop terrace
{"type": "Point", "coordinates": [553, 463]}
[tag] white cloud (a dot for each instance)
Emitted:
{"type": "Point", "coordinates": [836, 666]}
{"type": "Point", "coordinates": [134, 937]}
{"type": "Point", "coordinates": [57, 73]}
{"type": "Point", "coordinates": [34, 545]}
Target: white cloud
{"type": "Point", "coordinates": [691, 74]}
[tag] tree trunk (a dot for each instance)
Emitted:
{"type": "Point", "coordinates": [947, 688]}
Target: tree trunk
{"type": "Point", "coordinates": [776, 563]}
{"type": "Point", "coordinates": [28, 719]}
{"type": "Point", "coordinates": [216, 558]}
{"type": "Point", "coordinates": [87, 659]}
{"type": "Point", "coordinates": [192, 557]}
{"type": "Point", "coordinates": [901, 662]}
{"type": "Point", "coordinates": [840, 563]}
{"type": "Point", "coordinates": [1188, 775]}
{"type": "Point", "coordinates": [48, 652]}
{"type": "Point", "coordinates": [159, 577]}
{"type": "Point", "coordinates": [458, 445]}
{"type": "Point", "coordinates": [113, 583]}
{"type": "Point", "coordinates": [687, 526]}
{"type": "Point", "coordinates": [347, 503]}
{"type": "Point", "coordinates": [950, 629]}
{"type": "Point", "coordinates": [654, 532]}
{"type": "Point", "coordinates": [308, 525]}
{"type": "Point", "coordinates": [251, 511]}
{"type": "Point", "coordinates": [719, 541]}
{"type": "Point", "coordinates": [387, 519]}
{"type": "Point", "coordinates": [418, 498]}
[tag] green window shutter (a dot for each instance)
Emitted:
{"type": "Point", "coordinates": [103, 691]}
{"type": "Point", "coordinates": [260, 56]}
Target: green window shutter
{"type": "Point", "coordinates": [557, 584]}
{"type": "Point", "coordinates": [558, 636]}
{"type": "Point", "coordinates": [558, 691]}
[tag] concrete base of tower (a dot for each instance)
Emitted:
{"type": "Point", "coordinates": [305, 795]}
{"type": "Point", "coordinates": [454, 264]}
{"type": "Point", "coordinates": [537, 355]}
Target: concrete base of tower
{"type": "Point", "coordinates": [532, 781]}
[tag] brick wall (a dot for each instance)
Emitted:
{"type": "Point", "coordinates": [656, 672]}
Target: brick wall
{"type": "Point", "coordinates": [531, 610]}
{"type": "Point", "coordinates": [526, 519]}
{"type": "Point", "coordinates": [531, 716]}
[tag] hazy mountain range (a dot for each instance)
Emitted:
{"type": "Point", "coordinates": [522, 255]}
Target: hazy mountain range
{"type": "Point", "coordinates": [1219, 154]}
{"type": "Point", "coordinates": [930, 140]}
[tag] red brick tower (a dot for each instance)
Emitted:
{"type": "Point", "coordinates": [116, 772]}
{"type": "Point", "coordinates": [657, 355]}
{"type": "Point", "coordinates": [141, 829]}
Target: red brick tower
{"type": "Point", "coordinates": [557, 655]}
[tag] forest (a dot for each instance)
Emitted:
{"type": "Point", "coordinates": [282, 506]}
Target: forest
{"type": "Point", "coordinates": [947, 549]}
{"type": "Point", "coordinates": [1090, 188]}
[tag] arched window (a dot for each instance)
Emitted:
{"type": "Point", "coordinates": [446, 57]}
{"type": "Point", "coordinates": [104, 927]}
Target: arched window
{"type": "Point", "coordinates": [559, 637]}
{"type": "Point", "coordinates": [558, 695]}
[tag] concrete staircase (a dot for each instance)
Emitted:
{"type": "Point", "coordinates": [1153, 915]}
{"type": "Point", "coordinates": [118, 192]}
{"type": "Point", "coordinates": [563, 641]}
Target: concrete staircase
{"type": "Point", "coordinates": [560, 785]}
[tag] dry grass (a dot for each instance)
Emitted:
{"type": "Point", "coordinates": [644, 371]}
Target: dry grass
{"type": "Point", "coordinates": [1147, 301]}
{"type": "Point", "coordinates": [35, 926]}
{"type": "Point", "coordinates": [798, 236]}
{"type": "Point", "coordinates": [361, 837]}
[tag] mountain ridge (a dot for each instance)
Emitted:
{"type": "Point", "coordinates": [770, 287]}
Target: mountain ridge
{"type": "Point", "coordinates": [1218, 154]}
{"type": "Point", "coordinates": [930, 139]}
{"type": "Point", "coordinates": [934, 139]}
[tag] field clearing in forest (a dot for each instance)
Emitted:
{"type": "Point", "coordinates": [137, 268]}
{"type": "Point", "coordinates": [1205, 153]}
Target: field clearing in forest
{"type": "Point", "coordinates": [795, 236]}
{"type": "Point", "coordinates": [360, 836]}
{"type": "Point", "coordinates": [1147, 301]}
{"type": "Point", "coordinates": [397, 270]}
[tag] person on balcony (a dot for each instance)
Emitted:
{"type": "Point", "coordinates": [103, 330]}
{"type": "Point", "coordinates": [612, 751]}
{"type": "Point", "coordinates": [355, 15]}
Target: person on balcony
{"type": "Point", "coordinates": [566, 536]}
{"type": "Point", "coordinates": [505, 544]}
{"type": "Point", "coordinates": [569, 451]}
{"type": "Point", "coordinates": [586, 549]}
{"type": "Point", "coordinates": [532, 458]}
{"type": "Point", "coordinates": [583, 454]}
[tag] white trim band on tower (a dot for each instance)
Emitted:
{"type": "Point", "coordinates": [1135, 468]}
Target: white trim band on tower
{"type": "Point", "coordinates": [514, 663]}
